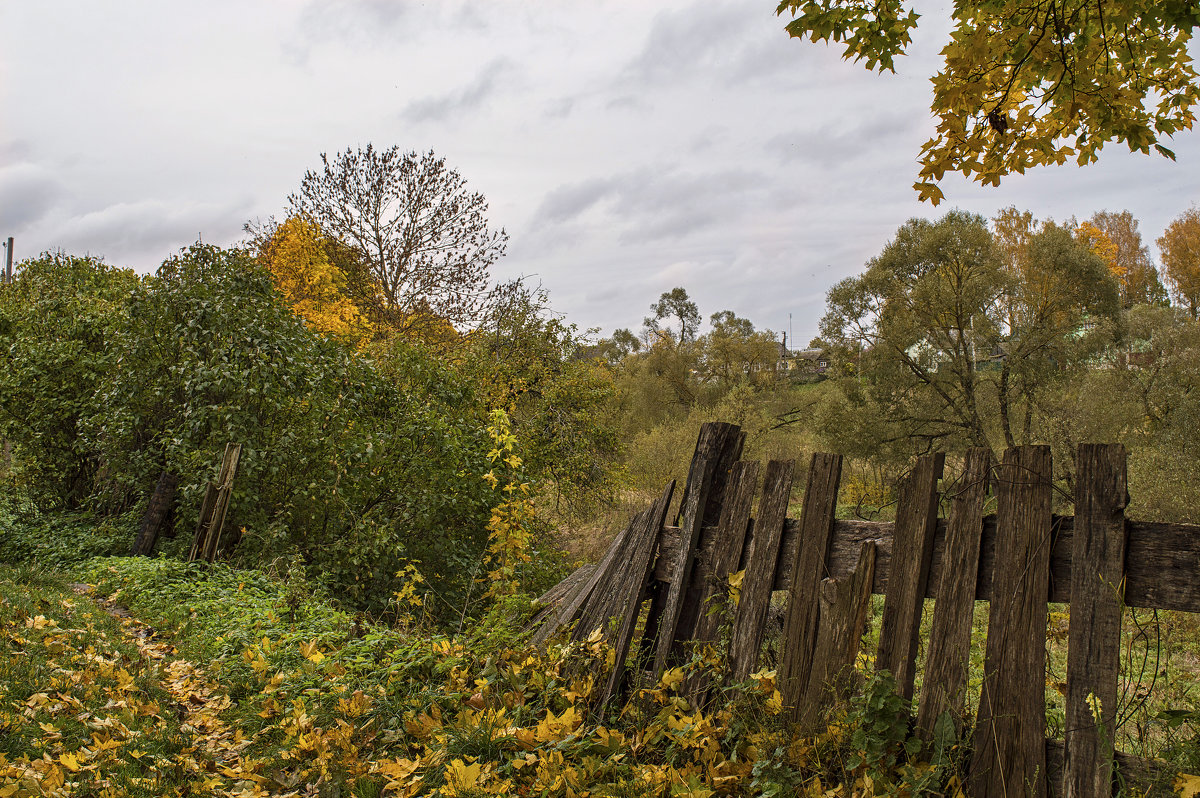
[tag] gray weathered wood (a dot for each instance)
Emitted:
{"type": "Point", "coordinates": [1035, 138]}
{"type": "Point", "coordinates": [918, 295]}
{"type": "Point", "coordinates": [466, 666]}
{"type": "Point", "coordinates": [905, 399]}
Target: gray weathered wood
{"type": "Point", "coordinates": [203, 522]}
{"type": "Point", "coordinates": [1162, 561]}
{"type": "Point", "coordinates": [229, 467]}
{"type": "Point", "coordinates": [1132, 775]}
{"type": "Point", "coordinates": [572, 604]}
{"type": "Point", "coordinates": [552, 598]}
{"type": "Point", "coordinates": [1093, 653]}
{"type": "Point", "coordinates": [844, 606]}
{"type": "Point", "coordinates": [713, 440]}
{"type": "Point", "coordinates": [755, 596]}
{"type": "Point", "coordinates": [916, 522]}
{"type": "Point", "coordinates": [800, 625]}
{"type": "Point", "coordinates": [638, 573]}
{"type": "Point", "coordinates": [946, 664]}
{"type": "Point", "coordinates": [606, 596]}
{"type": "Point", "coordinates": [725, 553]}
{"type": "Point", "coordinates": [728, 449]}
{"type": "Point", "coordinates": [157, 510]}
{"type": "Point", "coordinates": [1010, 746]}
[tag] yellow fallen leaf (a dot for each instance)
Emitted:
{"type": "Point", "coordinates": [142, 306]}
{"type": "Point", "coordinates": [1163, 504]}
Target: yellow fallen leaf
{"type": "Point", "coordinates": [69, 762]}
{"type": "Point", "coordinates": [1187, 785]}
{"type": "Point", "coordinates": [461, 776]}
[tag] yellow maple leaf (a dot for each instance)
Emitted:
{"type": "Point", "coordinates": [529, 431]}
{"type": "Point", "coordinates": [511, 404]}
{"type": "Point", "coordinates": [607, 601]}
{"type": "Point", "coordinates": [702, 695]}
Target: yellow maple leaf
{"type": "Point", "coordinates": [1187, 785]}
{"type": "Point", "coordinates": [69, 762]}
{"type": "Point", "coordinates": [461, 777]}
{"type": "Point", "coordinates": [311, 652]}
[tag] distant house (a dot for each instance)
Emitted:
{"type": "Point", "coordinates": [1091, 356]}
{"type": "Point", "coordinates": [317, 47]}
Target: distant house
{"type": "Point", "coordinates": [801, 362]}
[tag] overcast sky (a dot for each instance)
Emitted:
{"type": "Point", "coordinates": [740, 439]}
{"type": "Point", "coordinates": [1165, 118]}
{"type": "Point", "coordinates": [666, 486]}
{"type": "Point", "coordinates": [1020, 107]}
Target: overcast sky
{"type": "Point", "coordinates": [627, 147]}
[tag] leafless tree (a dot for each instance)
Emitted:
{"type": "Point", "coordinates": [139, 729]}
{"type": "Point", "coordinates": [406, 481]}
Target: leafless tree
{"type": "Point", "coordinates": [423, 237]}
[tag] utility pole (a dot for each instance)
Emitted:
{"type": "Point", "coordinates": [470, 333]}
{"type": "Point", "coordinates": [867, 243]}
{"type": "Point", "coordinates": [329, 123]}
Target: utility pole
{"type": "Point", "coordinates": [8, 260]}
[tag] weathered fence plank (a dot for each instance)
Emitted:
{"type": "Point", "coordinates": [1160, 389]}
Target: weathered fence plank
{"type": "Point", "coordinates": [800, 625]}
{"type": "Point", "coordinates": [728, 450]}
{"type": "Point", "coordinates": [845, 604]}
{"type": "Point", "coordinates": [572, 604]}
{"type": "Point", "coordinates": [916, 522]}
{"type": "Point", "coordinates": [755, 596]}
{"type": "Point", "coordinates": [644, 549]}
{"type": "Point", "coordinates": [729, 538]}
{"type": "Point", "coordinates": [946, 665]}
{"type": "Point", "coordinates": [1010, 733]}
{"type": "Point", "coordinates": [1093, 652]}
{"type": "Point", "coordinates": [157, 510]}
{"type": "Point", "coordinates": [714, 439]}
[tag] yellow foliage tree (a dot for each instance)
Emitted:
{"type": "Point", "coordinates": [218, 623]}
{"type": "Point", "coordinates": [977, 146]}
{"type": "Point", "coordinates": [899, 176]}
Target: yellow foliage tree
{"type": "Point", "coordinates": [1180, 247]}
{"type": "Point", "coordinates": [313, 286]}
{"type": "Point", "coordinates": [1098, 241]}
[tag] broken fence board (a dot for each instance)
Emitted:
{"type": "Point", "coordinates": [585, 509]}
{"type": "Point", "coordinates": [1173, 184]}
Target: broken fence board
{"type": "Point", "coordinates": [1093, 653]}
{"type": "Point", "coordinates": [1009, 749]}
{"type": "Point", "coordinates": [844, 607]}
{"type": "Point", "coordinates": [800, 625]}
{"type": "Point", "coordinates": [916, 522]}
{"type": "Point", "coordinates": [713, 440]}
{"type": "Point", "coordinates": [639, 571]}
{"type": "Point", "coordinates": [755, 595]}
{"type": "Point", "coordinates": [944, 682]}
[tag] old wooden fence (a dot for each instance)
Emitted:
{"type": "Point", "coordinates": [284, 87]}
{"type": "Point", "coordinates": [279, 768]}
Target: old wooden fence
{"type": "Point", "coordinates": [1019, 559]}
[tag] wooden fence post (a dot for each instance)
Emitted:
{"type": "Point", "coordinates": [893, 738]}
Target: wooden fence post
{"type": "Point", "coordinates": [912, 550]}
{"type": "Point", "coordinates": [1097, 589]}
{"type": "Point", "coordinates": [946, 664]}
{"type": "Point", "coordinates": [800, 624]}
{"type": "Point", "coordinates": [1010, 732]}
{"type": "Point", "coordinates": [755, 596]}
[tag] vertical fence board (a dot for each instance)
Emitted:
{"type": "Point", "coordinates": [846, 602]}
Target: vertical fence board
{"type": "Point", "coordinates": [639, 573]}
{"type": "Point", "coordinates": [945, 681]}
{"type": "Point", "coordinates": [844, 606]}
{"type": "Point", "coordinates": [728, 541]}
{"type": "Point", "coordinates": [916, 521]}
{"type": "Point", "coordinates": [1010, 746]}
{"type": "Point", "coordinates": [728, 449]}
{"type": "Point", "coordinates": [1093, 653]}
{"type": "Point", "coordinates": [713, 441]}
{"type": "Point", "coordinates": [755, 596]}
{"type": "Point", "coordinates": [801, 622]}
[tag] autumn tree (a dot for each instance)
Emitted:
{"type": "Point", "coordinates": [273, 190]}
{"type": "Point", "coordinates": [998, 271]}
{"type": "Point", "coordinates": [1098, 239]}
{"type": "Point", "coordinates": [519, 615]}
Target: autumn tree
{"type": "Point", "coordinates": [1180, 248]}
{"type": "Point", "coordinates": [953, 348]}
{"type": "Point", "coordinates": [1030, 84]}
{"type": "Point", "coordinates": [297, 257]}
{"type": "Point", "coordinates": [422, 235]}
{"type": "Point", "coordinates": [1119, 243]}
{"type": "Point", "coordinates": [733, 351]}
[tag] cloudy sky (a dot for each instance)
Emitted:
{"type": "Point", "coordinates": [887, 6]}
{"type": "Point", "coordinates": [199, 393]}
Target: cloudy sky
{"type": "Point", "coordinates": [628, 147]}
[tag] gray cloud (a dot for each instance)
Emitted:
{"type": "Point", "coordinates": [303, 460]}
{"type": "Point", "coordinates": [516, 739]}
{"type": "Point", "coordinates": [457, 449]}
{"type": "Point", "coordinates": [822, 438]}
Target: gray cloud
{"type": "Point", "coordinates": [27, 192]}
{"type": "Point", "coordinates": [833, 144]}
{"type": "Point", "coordinates": [654, 203]}
{"type": "Point", "coordinates": [467, 98]}
{"type": "Point", "coordinates": [143, 233]}
{"type": "Point", "coordinates": [716, 42]}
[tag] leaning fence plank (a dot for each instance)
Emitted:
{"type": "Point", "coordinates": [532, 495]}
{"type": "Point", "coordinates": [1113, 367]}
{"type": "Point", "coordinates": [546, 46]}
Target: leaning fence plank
{"type": "Point", "coordinates": [229, 467]}
{"type": "Point", "coordinates": [1010, 747]}
{"type": "Point", "coordinates": [755, 596]}
{"type": "Point", "coordinates": [728, 540]}
{"type": "Point", "coordinates": [845, 604]}
{"type": "Point", "coordinates": [728, 450]}
{"type": "Point", "coordinates": [157, 510]}
{"type": "Point", "coordinates": [572, 604]}
{"type": "Point", "coordinates": [601, 604]}
{"type": "Point", "coordinates": [1093, 653]}
{"type": "Point", "coordinates": [640, 569]}
{"type": "Point", "coordinates": [203, 522]}
{"type": "Point", "coordinates": [713, 440]}
{"type": "Point", "coordinates": [946, 665]}
{"type": "Point", "coordinates": [800, 625]}
{"type": "Point", "coordinates": [916, 522]}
